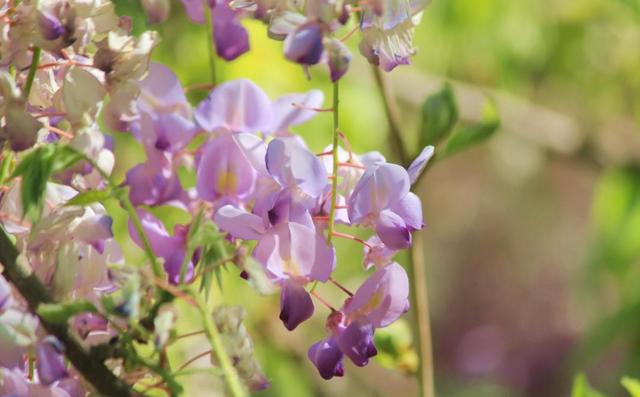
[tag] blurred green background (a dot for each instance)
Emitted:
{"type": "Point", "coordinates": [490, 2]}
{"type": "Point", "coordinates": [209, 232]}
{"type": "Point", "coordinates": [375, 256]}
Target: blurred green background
{"type": "Point", "coordinates": [532, 240]}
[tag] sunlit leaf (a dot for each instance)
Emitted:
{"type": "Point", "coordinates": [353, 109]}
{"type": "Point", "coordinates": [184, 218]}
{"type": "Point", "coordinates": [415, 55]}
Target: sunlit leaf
{"type": "Point", "coordinates": [36, 168]}
{"type": "Point", "coordinates": [60, 313]}
{"type": "Point", "coordinates": [439, 116]}
{"type": "Point", "coordinates": [90, 197]}
{"type": "Point", "coordinates": [581, 388]}
{"type": "Point", "coordinates": [632, 386]}
{"type": "Point", "coordinates": [474, 134]}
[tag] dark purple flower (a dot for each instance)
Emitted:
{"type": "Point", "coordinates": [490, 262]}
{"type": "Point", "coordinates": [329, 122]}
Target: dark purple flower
{"type": "Point", "coordinates": [50, 26]}
{"type": "Point", "coordinates": [327, 358]}
{"type": "Point", "coordinates": [339, 58]}
{"type": "Point", "coordinates": [295, 304]}
{"type": "Point", "coordinates": [304, 45]}
{"type": "Point", "coordinates": [230, 37]}
{"type": "Point", "coordinates": [356, 342]}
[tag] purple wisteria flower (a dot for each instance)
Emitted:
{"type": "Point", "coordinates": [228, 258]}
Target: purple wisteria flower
{"type": "Point", "coordinates": [50, 361]}
{"type": "Point", "coordinates": [171, 248]}
{"type": "Point", "coordinates": [230, 37]}
{"type": "Point", "coordinates": [380, 301]}
{"type": "Point", "coordinates": [292, 254]}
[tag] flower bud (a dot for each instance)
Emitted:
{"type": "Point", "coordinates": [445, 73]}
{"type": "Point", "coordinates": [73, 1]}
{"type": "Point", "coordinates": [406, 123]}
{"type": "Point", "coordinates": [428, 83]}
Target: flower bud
{"type": "Point", "coordinates": [304, 45]}
{"type": "Point", "coordinates": [157, 10]}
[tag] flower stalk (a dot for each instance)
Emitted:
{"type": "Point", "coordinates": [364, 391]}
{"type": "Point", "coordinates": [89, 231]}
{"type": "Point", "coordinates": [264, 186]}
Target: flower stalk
{"type": "Point", "coordinates": [236, 389]}
{"type": "Point", "coordinates": [334, 179]}
{"type": "Point", "coordinates": [420, 294]}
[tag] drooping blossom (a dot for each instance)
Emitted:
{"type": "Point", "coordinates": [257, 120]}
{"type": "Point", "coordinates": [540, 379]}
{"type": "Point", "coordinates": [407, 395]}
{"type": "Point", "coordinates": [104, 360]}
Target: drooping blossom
{"type": "Point", "coordinates": [380, 301]}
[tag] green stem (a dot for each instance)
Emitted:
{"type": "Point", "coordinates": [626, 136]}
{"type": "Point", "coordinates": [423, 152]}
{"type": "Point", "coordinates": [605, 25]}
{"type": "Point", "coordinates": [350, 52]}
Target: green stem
{"type": "Point", "coordinates": [334, 181]}
{"type": "Point", "coordinates": [125, 202]}
{"type": "Point", "coordinates": [5, 168]}
{"type": "Point", "coordinates": [420, 302]}
{"type": "Point", "coordinates": [191, 247]}
{"type": "Point", "coordinates": [393, 116]}
{"type": "Point", "coordinates": [19, 273]}
{"type": "Point", "coordinates": [215, 340]}
{"type": "Point", "coordinates": [157, 269]}
{"type": "Point", "coordinates": [420, 294]}
{"type": "Point", "coordinates": [209, 27]}
{"type": "Point", "coordinates": [35, 60]}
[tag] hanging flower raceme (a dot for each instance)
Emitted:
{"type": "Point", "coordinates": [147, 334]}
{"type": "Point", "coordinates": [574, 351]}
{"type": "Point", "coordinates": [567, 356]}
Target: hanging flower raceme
{"type": "Point", "coordinates": [252, 186]}
{"type": "Point", "coordinates": [308, 29]}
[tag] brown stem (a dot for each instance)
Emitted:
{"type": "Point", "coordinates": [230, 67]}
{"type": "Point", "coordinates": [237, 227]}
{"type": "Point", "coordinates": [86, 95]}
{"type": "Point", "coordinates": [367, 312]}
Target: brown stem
{"type": "Point", "coordinates": [35, 293]}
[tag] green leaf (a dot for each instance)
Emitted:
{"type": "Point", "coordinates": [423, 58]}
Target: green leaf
{"type": "Point", "coordinates": [581, 388]}
{"type": "Point", "coordinates": [90, 197]}
{"type": "Point", "coordinates": [439, 116]}
{"type": "Point", "coordinates": [475, 133]}
{"type": "Point", "coordinates": [35, 169]}
{"type": "Point", "coordinates": [60, 313]}
{"type": "Point", "coordinates": [632, 386]}
{"type": "Point", "coordinates": [395, 348]}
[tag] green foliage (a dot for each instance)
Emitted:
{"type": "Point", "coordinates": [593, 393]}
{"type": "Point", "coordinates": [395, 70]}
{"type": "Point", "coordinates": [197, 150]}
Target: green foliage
{"type": "Point", "coordinates": [439, 116]}
{"type": "Point", "coordinates": [616, 216]}
{"type": "Point", "coordinates": [395, 347]}
{"type": "Point", "coordinates": [213, 256]}
{"type": "Point", "coordinates": [632, 386]}
{"type": "Point", "coordinates": [60, 313]}
{"type": "Point", "coordinates": [473, 134]}
{"type": "Point", "coordinates": [91, 197]}
{"type": "Point", "coordinates": [581, 388]}
{"type": "Point", "coordinates": [36, 168]}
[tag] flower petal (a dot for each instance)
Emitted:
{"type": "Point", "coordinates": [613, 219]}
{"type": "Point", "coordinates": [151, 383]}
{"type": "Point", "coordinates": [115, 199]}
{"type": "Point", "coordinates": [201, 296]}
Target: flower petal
{"type": "Point", "coordinates": [237, 106]}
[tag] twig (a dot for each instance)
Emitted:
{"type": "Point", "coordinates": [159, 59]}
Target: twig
{"type": "Point", "coordinates": [35, 293]}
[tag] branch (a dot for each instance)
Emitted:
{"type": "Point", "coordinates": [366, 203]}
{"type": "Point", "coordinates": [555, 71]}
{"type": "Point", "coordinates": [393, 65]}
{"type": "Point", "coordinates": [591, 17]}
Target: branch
{"type": "Point", "coordinates": [35, 293]}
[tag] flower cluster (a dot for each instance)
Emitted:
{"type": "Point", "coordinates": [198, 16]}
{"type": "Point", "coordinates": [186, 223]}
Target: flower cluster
{"type": "Point", "coordinates": [308, 28]}
{"type": "Point", "coordinates": [261, 183]}
{"type": "Point", "coordinates": [71, 67]}
{"type": "Point", "coordinates": [60, 59]}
